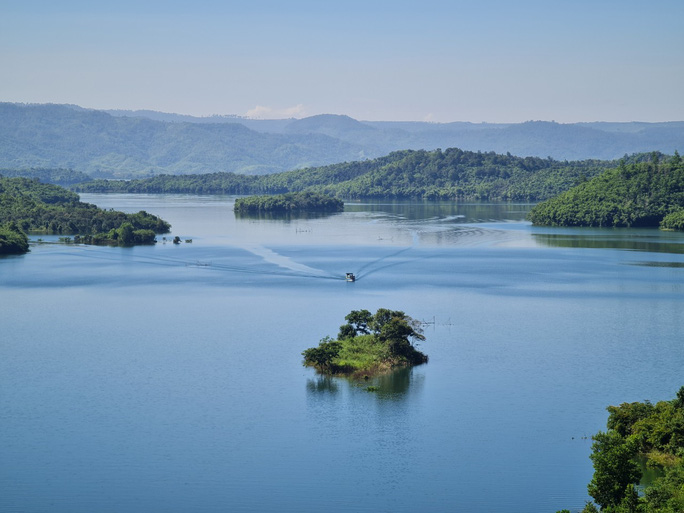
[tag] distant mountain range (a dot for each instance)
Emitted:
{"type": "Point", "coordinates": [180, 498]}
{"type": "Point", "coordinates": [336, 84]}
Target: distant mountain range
{"type": "Point", "coordinates": [126, 144]}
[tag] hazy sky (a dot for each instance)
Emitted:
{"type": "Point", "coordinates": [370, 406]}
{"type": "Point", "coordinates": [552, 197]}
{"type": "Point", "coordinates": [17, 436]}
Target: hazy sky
{"type": "Point", "coordinates": [480, 60]}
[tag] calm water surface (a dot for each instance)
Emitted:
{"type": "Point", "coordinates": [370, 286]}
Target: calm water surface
{"type": "Point", "coordinates": [169, 378]}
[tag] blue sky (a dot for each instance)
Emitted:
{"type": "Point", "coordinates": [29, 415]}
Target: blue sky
{"type": "Point", "coordinates": [487, 60]}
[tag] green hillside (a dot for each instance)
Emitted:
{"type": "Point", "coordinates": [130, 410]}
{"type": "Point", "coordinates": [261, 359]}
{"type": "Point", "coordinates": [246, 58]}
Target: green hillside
{"type": "Point", "coordinates": [448, 174]}
{"type": "Point", "coordinates": [635, 194]}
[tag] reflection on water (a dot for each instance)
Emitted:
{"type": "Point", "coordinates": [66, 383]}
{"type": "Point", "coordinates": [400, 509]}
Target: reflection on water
{"type": "Point", "coordinates": [322, 384]}
{"type": "Point", "coordinates": [648, 473]}
{"type": "Point", "coordinates": [281, 216]}
{"type": "Point", "coordinates": [396, 384]}
{"type": "Point", "coordinates": [444, 210]}
{"type": "Point", "coordinates": [660, 264]}
{"type": "Point", "coordinates": [618, 238]}
{"type": "Point", "coordinates": [390, 386]}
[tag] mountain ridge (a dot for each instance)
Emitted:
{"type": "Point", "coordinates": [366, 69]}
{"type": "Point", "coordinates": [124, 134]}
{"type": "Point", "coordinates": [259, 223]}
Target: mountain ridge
{"type": "Point", "coordinates": [131, 144]}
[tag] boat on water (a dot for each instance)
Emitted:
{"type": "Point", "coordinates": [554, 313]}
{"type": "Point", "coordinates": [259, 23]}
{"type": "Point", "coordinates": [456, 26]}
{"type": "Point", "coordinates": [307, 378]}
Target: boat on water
{"type": "Point", "coordinates": [351, 277]}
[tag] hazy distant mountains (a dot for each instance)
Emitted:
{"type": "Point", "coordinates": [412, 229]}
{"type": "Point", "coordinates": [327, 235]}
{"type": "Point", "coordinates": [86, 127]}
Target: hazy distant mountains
{"type": "Point", "coordinates": [143, 143]}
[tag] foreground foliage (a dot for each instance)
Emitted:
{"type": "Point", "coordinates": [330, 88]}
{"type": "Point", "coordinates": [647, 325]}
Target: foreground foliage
{"type": "Point", "coordinates": [642, 194]}
{"type": "Point", "coordinates": [640, 431]}
{"type": "Point", "coordinates": [289, 202]}
{"type": "Point", "coordinates": [449, 174]}
{"type": "Point", "coordinates": [35, 207]}
{"type": "Point", "coordinates": [369, 344]}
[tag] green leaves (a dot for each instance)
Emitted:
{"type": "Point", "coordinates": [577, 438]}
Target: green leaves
{"type": "Point", "coordinates": [652, 432]}
{"type": "Point", "coordinates": [614, 468]}
{"type": "Point", "coordinates": [322, 356]}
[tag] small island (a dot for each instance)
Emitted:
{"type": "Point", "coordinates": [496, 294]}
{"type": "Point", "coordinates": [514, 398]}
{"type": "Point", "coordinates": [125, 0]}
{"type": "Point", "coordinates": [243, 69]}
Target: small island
{"type": "Point", "coordinates": [30, 206]}
{"type": "Point", "coordinates": [305, 201]}
{"type": "Point", "coordinates": [369, 344]}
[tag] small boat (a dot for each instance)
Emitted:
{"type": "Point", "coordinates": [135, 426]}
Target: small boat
{"type": "Point", "coordinates": [351, 277]}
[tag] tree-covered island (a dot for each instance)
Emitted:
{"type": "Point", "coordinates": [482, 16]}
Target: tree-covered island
{"type": "Point", "coordinates": [638, 194]}
{"type": "Point", "coordinates": [369, 344]}
{"type": "Point", "coordinates": [29, 206]}
{"type": "Point", "coordinates": [306, 201]}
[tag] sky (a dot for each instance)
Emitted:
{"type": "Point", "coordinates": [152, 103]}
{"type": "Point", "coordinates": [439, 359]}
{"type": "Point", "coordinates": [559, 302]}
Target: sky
{"type": "Point", "coordinates": [481, 61]}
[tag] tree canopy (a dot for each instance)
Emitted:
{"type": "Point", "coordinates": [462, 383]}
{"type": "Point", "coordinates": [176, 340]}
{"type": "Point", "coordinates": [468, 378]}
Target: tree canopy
{"type": "Point", "coordinates": [368, 344]}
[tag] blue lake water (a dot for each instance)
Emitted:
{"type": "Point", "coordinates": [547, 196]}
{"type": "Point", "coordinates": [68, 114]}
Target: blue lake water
{"type": "Point", "coordinates": [169, 377]}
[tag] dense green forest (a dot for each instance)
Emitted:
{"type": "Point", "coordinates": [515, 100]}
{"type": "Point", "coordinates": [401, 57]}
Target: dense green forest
{"type": "Point", "coordinates": [448, 174]}
{"type": "Point", "coordinates": [640, 433]}
{"type": "Point", "coordinates": [368, 344]}
{"type": "Point", "coordinates": [35, 207]}
{"type": "Point", "coordinates": [64, 177]}
{"type": "Point", "coordinates": [13, 241]}
{"type": "Point", "coordinates": [306, 201]}
{"type": "Point", "coordinates": [635, 194]}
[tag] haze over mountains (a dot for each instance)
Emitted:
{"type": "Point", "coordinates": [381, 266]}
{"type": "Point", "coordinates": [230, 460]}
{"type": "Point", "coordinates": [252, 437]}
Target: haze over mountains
{"type": "Point", "coordinates": [125, 144]}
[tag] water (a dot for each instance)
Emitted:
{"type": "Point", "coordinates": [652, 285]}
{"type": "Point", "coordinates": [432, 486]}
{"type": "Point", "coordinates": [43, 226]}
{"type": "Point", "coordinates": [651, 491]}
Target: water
{"type": "Point", "coordinates": [169, 378]}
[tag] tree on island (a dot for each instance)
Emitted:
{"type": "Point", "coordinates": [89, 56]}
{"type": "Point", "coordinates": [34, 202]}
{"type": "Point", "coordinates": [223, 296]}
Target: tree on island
{"type": "Point", "coordinates": [305, 201]}
{"type": "Point", "coordinates": [369, 344]}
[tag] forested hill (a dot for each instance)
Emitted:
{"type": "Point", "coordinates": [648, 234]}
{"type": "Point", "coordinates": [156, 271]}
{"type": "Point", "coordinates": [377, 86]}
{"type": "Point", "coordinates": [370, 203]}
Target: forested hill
{"type": "Point", "coordinates": [437, 174]}
{"type": "Point", "coordinates": [633, 194]}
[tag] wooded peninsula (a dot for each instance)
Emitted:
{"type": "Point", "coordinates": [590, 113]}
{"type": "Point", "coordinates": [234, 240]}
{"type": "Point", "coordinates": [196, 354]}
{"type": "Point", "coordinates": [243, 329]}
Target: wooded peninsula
{"type": "Point", "coordinates": [29, 206]}
{"type": "Point", "coordinates": [638, 194]}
